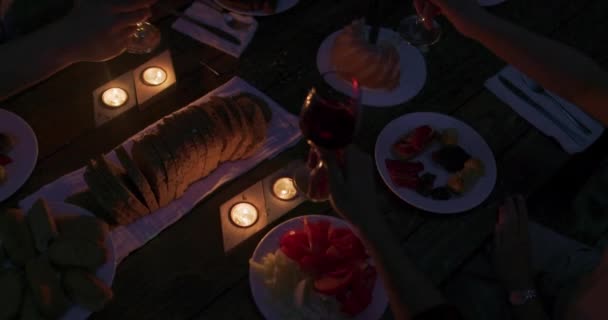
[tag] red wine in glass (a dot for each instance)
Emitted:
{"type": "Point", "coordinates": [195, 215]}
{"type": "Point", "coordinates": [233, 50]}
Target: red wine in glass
{"type": "Point", "coordinates": [328, 124]}
{"type": "Point", "coordinates": [328, 120]}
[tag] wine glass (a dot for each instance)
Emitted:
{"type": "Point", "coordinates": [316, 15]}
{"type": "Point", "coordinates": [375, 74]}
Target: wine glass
{"type": "Point", "coordinates": [144, 40]}
{"type": "Point", "coordinates": [413, 30]}
{"type": "Point", "coordinates": [329, 119]}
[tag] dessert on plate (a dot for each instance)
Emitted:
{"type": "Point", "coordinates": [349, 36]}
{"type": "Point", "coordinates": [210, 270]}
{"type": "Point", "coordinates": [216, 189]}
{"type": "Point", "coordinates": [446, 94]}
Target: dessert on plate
{"type": "Point", "coordinates": [375, 66]}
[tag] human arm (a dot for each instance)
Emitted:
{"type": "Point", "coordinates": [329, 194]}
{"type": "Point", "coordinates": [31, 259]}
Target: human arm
{"type": "Point", "coordinates": [95, 30]}
{"type": "Point", "coordinates": [556, 66]}
{"type": "Point", "coordinates": [353, 195]}
{"type": "Point", "coordinates": [511, 256]}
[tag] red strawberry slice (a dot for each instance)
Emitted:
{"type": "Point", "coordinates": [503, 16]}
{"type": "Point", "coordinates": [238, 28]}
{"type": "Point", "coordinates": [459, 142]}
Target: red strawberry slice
{"type": "Point", "coordinates": [318, 235]}
{"type": "Point", "coordinates": [294, 244]}
{"type": "Point", "coordinates": [4, 160]}
{"type": "Point", "coordinates": [421, 137]}
{"type": "Point", "coordinates": [414, 142]}
{"type": "Point", "coordinates": [403, 167]}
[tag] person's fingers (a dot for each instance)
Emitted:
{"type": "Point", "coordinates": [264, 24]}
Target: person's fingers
{"type": "Point", "coordinates": [131, 18]}
{"type": "Point", "coordinates": [522, 211]}
{"type": "Point", "coordinates": [120, 6]}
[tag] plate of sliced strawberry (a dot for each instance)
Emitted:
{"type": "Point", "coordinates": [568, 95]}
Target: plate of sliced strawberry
{"type": "Point", "coordinates": [435, 162]}
{"type": "Point", "coordinates": [315, 267]}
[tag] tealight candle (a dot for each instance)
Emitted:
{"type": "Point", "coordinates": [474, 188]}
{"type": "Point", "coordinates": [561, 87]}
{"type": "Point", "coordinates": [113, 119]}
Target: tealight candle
{"type": "Point", "coordinates": [284, 189]}
{"type": "Point", "coordinates": [244, 214]}
{"type": "Point", "coordinates": [154, 76]}
{"type": "Point", "coordinates": [114, 97]}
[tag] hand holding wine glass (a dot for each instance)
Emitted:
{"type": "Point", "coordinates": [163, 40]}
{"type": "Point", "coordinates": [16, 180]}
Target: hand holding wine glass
{"type": "Point", "coordinates": [459, 12]}
{"type": "Point", "coordinates": [100, 30]}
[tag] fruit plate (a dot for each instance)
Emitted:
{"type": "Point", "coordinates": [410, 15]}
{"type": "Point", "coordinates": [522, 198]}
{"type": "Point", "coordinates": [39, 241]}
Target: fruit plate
{"type": "Point", "coordinates": [105, 273]}
{"type": "Point", "coordinates": [24, 153]}
{"type": "Point", "coordinates": [282, 6]}
{"type": "Point", "coordinates": [413, 72]}
{"type": "Point", "coordinates": [270, 243]}
{"type": "Point", "coordinates": [468, 139]}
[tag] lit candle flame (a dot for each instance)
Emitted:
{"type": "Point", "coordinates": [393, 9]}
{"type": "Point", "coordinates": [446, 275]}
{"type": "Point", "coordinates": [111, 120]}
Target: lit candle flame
{"type": "Point", "coordinates": [244, 214]}
{"type": "Point", "coordinates": [284, 189]}
{"type": "Point", "coordinates": [154, 76]}
{"type": "Point", "coordinates": [114, 97]}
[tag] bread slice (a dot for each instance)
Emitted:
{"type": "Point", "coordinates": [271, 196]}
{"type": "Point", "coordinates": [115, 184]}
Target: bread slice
{"type": "Point", "coordinates": [46, 288]}
{"type": "Point", "coordinates": [85, 228]}
{"type": "Point", "coordinates": [71, 252]}
{"type": "Point", "coordinates": [86, 290]}
{"type": "Point", "coordinates": [247, 130]}
{"type": "Point", "coordinates": [257, 122]}
{"type": "Point", "coordinates": [169, 141]}
{"type": "Point", "coordinates": [42, 225]}
{"type": "Point", "coordinates": [11, 291]}
{"type": "Point", "coordinates": [218, 126]}
{"type": "Point", "coordinates": [186, 151]}
{"type": "Point", "coordinates": [189, 119]}
{"type": "Point", "coordinates": [234, 136]}
{"type": "Point", "coordinates": [213, 143]}
{"type": "Point", "coordinates": [239, 131]}
{"type": "Point", "coordinates": [260, 102]}
{"type": "Point", "coordinates": [16, 237]}
{"type": "Point", "coordinates": [151, 165]}
{"type": "Point", "coordinates": [159, 144]}
{"type": "Point", "coordinates": [113, 206]}
{"type": "Point", "coordinates": [116, 177]}
{"type": "Point", "coordinates": [142, 187]}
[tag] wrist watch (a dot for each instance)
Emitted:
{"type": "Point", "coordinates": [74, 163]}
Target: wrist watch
{"type": "Point", "coordinates": [521, 297]}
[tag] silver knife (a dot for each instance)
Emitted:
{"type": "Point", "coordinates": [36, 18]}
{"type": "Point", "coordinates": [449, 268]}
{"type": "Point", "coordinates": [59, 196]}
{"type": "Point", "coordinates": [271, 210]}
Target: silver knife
{"type": "Point", "coordinates": [213, 29]}
{"type": "Point", "coordinates": [522, 95]}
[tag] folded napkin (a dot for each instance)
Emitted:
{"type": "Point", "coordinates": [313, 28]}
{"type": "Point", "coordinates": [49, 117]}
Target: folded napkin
{"type": "Point", "coordinates": [540, 121]}
{"type": "Point", "coordinates": [283, 133]}
{"type": "Point", "coordinates": [210, 16]}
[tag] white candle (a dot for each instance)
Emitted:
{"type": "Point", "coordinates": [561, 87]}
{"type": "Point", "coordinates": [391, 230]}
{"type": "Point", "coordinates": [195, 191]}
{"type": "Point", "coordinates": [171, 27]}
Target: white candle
{"type": "Point", "coordinates": [154, 76]}
{"type": "Point", "coordinates": [114, 97]}
{"type": "Point", "coordinates": [284, 189]}
{"type": "Point", "coordinates": [244, 214]}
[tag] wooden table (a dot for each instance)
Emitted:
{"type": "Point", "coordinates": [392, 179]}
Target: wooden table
{"type": "Point", "coordinates": [184, 273]}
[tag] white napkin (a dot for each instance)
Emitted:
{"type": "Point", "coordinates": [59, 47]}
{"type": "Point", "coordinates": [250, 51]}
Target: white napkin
{"type": "Point", "coordinates": [283, 133]}
{"type": "Point", "coordinates": [540, 121]}
{"type": "Point", "coordinates": [208, 15]}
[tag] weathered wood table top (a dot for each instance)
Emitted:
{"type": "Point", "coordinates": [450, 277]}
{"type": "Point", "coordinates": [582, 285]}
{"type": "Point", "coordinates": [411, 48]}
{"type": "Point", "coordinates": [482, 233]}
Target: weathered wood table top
{"type": "Point", "coordinates": [183, 273]}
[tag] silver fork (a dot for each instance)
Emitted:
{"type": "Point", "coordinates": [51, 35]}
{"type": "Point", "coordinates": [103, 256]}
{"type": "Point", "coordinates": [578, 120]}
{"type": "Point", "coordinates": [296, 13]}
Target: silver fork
{"type": "Point", "coordinates": [229, 19]}
{"type": "Point", "coordinates": [538, 89]}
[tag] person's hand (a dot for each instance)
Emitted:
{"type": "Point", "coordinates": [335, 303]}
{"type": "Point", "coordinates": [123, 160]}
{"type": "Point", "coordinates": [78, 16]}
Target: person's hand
{"type": "Point", "coordinates": [98, 30]}
{"type": "Point", "coordinates": [460, 12]}
{"type": "Point", "coordinates": [511, 251]}
{"type": "Point", "coordinates": [352, 186]}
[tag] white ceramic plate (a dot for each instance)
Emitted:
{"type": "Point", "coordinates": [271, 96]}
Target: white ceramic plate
{"type": "Point", "coordinates": [468, 139]}
{"type": "Point", "coordinates": [24, 153]}
{"type": "Point", "coordinates": [413, 72]}
{"type": "Point", "coordinates": [489, 3]}
{"type": "Point", "coordinates": [282, 6]}
{"type": "Point", "coordinates": [105, 273]}
{"type": "Point", "coordinates": [270, 243]}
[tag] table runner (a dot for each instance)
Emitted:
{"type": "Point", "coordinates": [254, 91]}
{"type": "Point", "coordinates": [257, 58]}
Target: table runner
{"type": "Point", "coordinates": [283, 132]}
